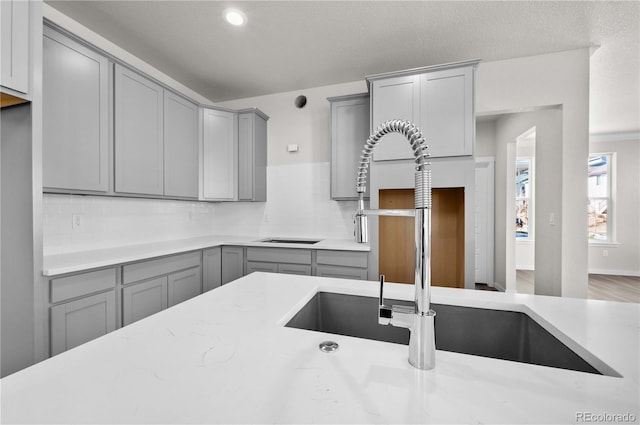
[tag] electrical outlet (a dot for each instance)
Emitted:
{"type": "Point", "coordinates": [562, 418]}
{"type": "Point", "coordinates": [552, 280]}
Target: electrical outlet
{"type": "Point", "coordinates": [76, 222]}
{"type": "Point", "coordinates": [552, 219]}
{"type": "Point", "coordinates": [605, 252]}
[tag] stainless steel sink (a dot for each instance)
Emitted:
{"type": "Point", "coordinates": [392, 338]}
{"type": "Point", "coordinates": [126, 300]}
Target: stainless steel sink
{"type": "Point", "coordinates": [290, 241]}
{"type": "Point", "coordinates": [506, 335]}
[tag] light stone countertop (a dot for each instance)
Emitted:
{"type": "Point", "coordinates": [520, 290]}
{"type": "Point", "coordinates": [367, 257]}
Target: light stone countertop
{"type": "Point", "coordinates": [90, 259]}
{"type": "Point", "coordinates": [225, 357]}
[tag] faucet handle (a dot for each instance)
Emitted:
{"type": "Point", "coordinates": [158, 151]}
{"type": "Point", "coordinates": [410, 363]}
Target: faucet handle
{"type": "Point", "coordinates": [384, 312]}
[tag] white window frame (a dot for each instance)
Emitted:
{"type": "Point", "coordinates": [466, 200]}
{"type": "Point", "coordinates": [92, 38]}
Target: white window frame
{"type": "Point", "coordinates": [610, 198]}
{"type": "Point", "coordinates": [531, 223]}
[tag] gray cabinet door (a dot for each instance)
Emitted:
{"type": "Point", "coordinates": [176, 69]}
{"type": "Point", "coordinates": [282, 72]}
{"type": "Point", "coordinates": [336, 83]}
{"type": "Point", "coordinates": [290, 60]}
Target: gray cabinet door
{"type": "Point", "coordinates": [232, 263]}
{"type": "Point", "coordinates": [143, 299]}
{"type": "Point", "coordinates": [252, 157]}
{"type": "Point", "coordinates": [14, 63]}
{"type": "Point", "coordinates": [220, 153]}
{"type": "Point", "coordinates": [180, 147]}
{"type": "Point", "coordinates": [446, 104]}
{"type": "Point", "coordinates": [349, 132]}
{"type": "Point", "coordinates": [395, 98]}
{"type": "Point", "coordinates": [341, 272]}
{"type": "Point", "coordinates": [139, 154]}
{"type": "Point", "coordinates": [75, 115]}
{"type": "Point", "coordinates": [76, 322]}
{"type": "Point", "coordinates": [212, 268]}
{"type": "Point", "coordinates": [184, 285]}
{"type": "Point", "coordinates": [299, 269]}
{"type": "Point", "coordinates": [257, 266]}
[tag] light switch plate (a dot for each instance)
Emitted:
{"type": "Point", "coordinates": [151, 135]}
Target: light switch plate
{"type": "Point", "coordinates": [292, 148]}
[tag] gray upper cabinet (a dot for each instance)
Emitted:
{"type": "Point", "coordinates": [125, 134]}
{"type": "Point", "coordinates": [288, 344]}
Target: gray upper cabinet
{"type": "Point", "coordinates": [75, 116]}
{"type": "Point", "coordinates": [252, 156]}
{"type": "Point", "coordinates": [180, 147]}
{"type": "Point", "coordinates": [220, 155]}
{"type": "Point", "coordinates": [438, 99]}
{"type": "Point", "coordinates": [394, 98]}
{"type": "Point", "coordinates": [448, 117]}
{"type": "Point", "coordinates": [349, 131]}
{"type": "Point", "coordinates": [139, 153]}
{"type": "Point", "coordinates": [14, 63]}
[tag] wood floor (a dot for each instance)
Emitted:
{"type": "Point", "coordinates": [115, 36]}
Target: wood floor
{"type": "Point", "coordinates": [601, 286]}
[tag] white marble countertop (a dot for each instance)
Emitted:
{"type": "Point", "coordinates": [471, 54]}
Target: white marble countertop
{"type": "Point", "coordinates": [84, 260]}
{"type": "Point", "coordinates": [225, 357]}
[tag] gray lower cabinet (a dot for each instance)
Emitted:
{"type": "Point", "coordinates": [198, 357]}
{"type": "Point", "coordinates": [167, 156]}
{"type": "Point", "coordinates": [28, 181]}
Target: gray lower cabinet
{"type": "Point", "coordinates": [341, 272]}
{"type": "Point", "coordinates": [252, 155]}
{"type": "Point", "coordinates": [83, 307]}
{"type": "Point", "coordinates": [258, 266]}
{"type": "Point", "coordinates": [279, 260]}
{"type": "Point", "coordinates": [211, 268]}
{"type": "Point", "coordinates": [232, 263]}
{"type": "Point", "coordinates": [299, 269]}
{"type": "Point", "coordinates": [349, 132]}
{"type": "Point", "coordinates": [153, 285]}
{"type": "Point", "coordinates": [139, 152]}
{"type": "Point", "coordinates": [75, 145]}
{"type": "Point", "coordinates": [184, 285]}
{"type": "Point", "coordinates": [76, 322]}
{"type": "Point", "coordinates": [342, 264]}
{"type": "Point", "coordinates": [143, 299]}
{"type": "Point", "coordinates": [181, 151]}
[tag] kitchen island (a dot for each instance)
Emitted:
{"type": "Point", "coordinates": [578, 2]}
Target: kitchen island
{"type": "Point", "coordinates": [226, 357]}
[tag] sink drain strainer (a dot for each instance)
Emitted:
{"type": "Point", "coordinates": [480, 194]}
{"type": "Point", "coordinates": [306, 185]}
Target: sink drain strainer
{"type": "Point", "coordinates": [328, 346]}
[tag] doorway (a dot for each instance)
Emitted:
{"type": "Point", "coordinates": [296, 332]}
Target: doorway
{"type": "Point", "coordinates": [396, 237]}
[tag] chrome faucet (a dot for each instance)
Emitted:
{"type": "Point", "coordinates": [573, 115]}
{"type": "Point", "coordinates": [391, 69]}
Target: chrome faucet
{"type": "Point", "coordinates": [419, 319]}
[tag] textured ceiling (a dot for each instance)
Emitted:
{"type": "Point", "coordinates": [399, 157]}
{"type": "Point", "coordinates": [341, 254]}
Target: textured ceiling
{"type": "Point", "coordinates": [294, 45]}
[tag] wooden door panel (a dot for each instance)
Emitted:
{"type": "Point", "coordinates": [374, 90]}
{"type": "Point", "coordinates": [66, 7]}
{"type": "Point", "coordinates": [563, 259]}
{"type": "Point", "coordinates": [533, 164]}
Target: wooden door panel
{"type": "Point", "coordinates": [396, 237]}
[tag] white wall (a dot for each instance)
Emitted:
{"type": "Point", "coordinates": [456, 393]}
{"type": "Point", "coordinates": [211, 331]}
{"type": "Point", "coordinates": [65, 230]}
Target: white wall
{"type": "Point", "coordinates": [545, 80]}
{"type": "Point", "coordinates": [309, 127]}
{"type": "Point", "coordinates": [623, 256]}
{"type": "Point", "coordinates": [548, 199]}
{"type": "Point", "coordinates": [485, 138]}
{"type": "Point", "coordinates": [298, 183]}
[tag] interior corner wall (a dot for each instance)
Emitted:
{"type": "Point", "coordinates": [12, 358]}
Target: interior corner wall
{"type": "Point", "coordinates": [553, 79]}
{"type": "Point", "coordinates": [548, 197]}
{"type": "Point", "coordinates": [308, 127]}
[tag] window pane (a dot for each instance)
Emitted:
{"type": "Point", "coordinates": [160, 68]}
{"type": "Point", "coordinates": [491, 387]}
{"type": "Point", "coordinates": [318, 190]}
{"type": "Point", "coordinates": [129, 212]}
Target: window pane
{"type": "Point", "coordinates": [522, 178]}
{"type": "Point", "coordinates": [598, 219]}
{"type": "Point", "coordinates": [599, 176]}
{"type": "Point", "coordinates": [522, 218]}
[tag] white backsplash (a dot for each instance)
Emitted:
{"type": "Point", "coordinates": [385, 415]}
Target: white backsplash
{"type": "Point", "coordinates": [298, 204]}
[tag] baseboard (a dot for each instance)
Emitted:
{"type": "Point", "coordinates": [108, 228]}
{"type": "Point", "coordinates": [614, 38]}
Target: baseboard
{"type": "Point", "coordinates": [499, 287]}
{"type": "Point", "coordinates": [635, 273]}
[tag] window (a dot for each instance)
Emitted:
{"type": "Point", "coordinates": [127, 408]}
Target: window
{"type": "Point", "coordinates": [524, 198]}
{"type": "Point", "coordinates": [600, 197]}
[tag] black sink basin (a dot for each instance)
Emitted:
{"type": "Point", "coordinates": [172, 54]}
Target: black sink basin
{"type": "Point", "coordinates": [506, 335]}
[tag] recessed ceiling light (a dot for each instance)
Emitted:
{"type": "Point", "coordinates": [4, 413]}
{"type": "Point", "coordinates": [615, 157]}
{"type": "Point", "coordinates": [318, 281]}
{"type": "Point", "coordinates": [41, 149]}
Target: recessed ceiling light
{"type": "Point", "coordinates": [235, 17]}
